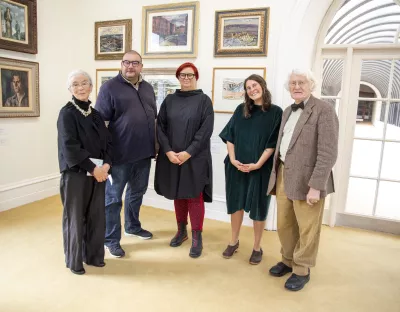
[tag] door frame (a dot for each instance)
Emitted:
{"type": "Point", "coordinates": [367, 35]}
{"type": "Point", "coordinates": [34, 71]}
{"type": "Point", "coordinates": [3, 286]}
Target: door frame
{"type": "Point", "coordinates": [352, 56]}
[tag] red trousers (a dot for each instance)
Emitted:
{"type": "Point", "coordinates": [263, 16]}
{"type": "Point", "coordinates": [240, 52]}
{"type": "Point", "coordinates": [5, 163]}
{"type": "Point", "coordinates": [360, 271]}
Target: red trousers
{"type": "Point", "coordinates": [192, 206]}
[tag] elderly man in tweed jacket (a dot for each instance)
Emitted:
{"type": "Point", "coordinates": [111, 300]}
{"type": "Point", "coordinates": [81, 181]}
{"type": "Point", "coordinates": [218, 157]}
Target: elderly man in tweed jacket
{"type": "Point", "coordinates": [302, 177]}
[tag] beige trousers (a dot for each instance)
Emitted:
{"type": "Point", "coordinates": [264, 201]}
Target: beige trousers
{"type": "Point", "coordinates": [299, 229]}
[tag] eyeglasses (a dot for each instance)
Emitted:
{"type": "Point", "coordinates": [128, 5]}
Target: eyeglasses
{"type": "Point", "coordinates": [126, 63]}
{"type": "Point", "coordinates": [184, 75]}
{"type": "Point", "coordinates": [83, 84]}
{"type": "Point", "coordinates": [300, 83]}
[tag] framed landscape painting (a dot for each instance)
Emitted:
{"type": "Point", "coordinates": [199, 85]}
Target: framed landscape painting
{"type": "Point", "coordinates": [19, 88]}
{"type": "Point", "coordinates": [104, 74]}
{"type": "Point", "coordinates": [241, 32]}
{"type": "Point", "coordinates": [112, 39]}
{"type": "Point", "coordinates": [18, 25]}
{"type": "Point", "coordinates": [170, 30]}
{"type": "Point", "coordinates": [228, 86]}
{"type": "Point", "coordinates": [163, 81]}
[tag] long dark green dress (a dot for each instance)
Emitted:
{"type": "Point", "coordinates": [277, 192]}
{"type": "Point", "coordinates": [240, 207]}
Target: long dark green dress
{"type": "Point", "coordinates": [251, 137]}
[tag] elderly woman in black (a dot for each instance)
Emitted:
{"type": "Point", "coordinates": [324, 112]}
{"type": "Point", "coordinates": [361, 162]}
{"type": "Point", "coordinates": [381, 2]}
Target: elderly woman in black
{"type": "Point", "coordinates": [84, 154]}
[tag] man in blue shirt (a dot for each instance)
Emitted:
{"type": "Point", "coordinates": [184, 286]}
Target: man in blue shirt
{"type": "Point", "coordinates": [128, 103]}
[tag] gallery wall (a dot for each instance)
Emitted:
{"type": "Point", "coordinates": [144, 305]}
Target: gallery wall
{"type": "Point", "coordinates": [66, 41]}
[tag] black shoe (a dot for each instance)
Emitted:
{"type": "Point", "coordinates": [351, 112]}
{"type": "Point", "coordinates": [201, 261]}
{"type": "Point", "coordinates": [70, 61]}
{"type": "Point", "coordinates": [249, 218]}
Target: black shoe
{"type": "Point", "coordinates": [79, 272]}
{"type": "Point", "coordinates": [143, 234]}
{"type": "Point", "coordinates": [256, 257]}
{"type": "Point", "coordinates": [180, 236]}
{"type": "Point", "coordinates": [116, 251]}
{"type": "Point", "coordinates": [280, 269]}
{"type": "Point", "coordinates": [197, 244]}
{"type": "Point", "coordinates": [296, 282]}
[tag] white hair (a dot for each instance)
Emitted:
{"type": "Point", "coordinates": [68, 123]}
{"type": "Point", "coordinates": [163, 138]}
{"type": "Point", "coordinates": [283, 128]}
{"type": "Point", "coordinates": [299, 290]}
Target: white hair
{"type": "Point", "coordinates": [75, 73]}
{"type": "Point", "coordinates": [305, 73]}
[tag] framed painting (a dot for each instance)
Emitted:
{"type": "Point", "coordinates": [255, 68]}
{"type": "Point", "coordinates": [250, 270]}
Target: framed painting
{"type": "Point", "coordinates": [19, 88]}
{"type": "Point", "coordinates": [228, 86]}
{"type": "Point", "coordinates": [163, 81]}
{"type": "Point", "coordinates": [170, 30]}
{"type": "Point", "coordinates": [241, 32]}
{"type": "Point", "coordinates": [112, 39]}
{"type": "Point", "coordinates": [18, 25]}
{"type": "Point", "coordinates": [104, 74]}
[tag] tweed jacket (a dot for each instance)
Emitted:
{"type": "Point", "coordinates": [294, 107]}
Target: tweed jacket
{"type": "Point", "coordinates": [312, 151]}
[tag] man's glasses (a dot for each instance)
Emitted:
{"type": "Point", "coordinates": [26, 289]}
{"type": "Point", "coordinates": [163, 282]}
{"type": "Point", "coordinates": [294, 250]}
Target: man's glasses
{"type": "Point", "coordinates": [83, 84]}
{"type": "Point", "coordinates": [184, 75]}
{"type": "Point", "coordinates": [294, 83]}
{"type": "Point", "coordinates": [126, 63]}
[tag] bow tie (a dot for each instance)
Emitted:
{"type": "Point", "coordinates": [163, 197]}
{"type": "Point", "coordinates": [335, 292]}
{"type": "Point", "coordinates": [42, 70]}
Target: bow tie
{"type": "Point", "coordinates": [295, 107]}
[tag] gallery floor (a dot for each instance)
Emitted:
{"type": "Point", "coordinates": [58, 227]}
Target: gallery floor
{"type": "Point", "coordinates": [356, 271]}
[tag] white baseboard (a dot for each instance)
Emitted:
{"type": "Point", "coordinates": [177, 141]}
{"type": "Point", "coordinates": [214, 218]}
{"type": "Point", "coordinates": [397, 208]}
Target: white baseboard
{"type": "Point", "coordinates": [214, 211]}
{"type": "Point", "coordinates": [28, 191]}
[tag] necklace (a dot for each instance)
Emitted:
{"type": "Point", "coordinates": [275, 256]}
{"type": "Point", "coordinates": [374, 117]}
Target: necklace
{"type": "Point", "coordinates": [83, 112]}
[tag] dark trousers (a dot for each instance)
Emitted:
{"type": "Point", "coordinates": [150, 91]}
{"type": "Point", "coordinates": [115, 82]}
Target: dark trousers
{"type": "Point", "coordinates": [192, 206]}
{"type": "Point", "coordinates": [83, 219]}
{"type": "Point", "coordinates": [136, 175]}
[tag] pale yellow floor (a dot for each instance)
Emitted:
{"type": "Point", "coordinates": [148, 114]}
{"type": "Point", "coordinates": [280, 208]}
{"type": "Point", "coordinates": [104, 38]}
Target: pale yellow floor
{"type": "Point", "coordinates": [356, 271]}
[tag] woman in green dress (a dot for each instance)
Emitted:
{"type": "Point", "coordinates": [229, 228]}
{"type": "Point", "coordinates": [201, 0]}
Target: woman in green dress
{"type": "Point", "coordinates": [251, 136]}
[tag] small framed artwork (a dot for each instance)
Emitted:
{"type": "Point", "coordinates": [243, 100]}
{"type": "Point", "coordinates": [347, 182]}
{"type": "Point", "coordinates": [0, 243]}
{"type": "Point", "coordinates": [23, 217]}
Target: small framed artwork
{"type": "Point", "coordinates": [18, 25]}
{"type": "Point", "coordinates": [228, 86]}
{"type": "Point", "coordinates": [170, 30]}
{"type": "Point", "coordinates": [241, 32]}
{"type": "Point", "coordinates": [112, 39]}
{"type": "Point", "coordinates": [104, 74]}
{"type": "Point", "coordinates": [163, 81]}
{"type": "Point", "coordinates": [19, 88]}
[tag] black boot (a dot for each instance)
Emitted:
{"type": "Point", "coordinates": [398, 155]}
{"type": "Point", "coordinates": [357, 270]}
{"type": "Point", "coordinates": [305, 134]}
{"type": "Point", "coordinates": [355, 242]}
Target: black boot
{"type": "Point", "coordinates": [180, 236]}
{"type": "Point", "coordinates": [197, 244]}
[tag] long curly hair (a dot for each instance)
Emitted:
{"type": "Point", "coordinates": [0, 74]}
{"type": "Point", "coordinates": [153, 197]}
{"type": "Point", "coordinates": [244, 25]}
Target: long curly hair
{"type": "Point", "coordinates": [266, 95]}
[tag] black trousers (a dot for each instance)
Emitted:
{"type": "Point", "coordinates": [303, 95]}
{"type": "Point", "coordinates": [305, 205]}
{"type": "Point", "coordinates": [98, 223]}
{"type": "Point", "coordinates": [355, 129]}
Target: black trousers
{"type": "Point", "coordinates": [83, 199]}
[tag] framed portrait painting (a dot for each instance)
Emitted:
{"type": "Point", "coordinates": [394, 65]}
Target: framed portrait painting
{"type": "Point", "coordinates": [163, 81]}
{"type": "Point", "coordinates": [112, 39]}
{"type": "Point", "coordinates": [18, 25]}
{"type": "Point", "coordinates": [170, 30]}
{"type": "Point", "coordinates": [104, 74]}
{"type": "Point", "coordinates": [228, 86]}
{"type": "Point", "coordinates": [19, 88]}
{"type": "Point", "coordinates": [241, 32]}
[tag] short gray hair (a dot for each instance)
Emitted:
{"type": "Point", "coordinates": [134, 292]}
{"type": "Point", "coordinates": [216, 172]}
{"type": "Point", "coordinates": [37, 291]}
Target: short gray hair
{"type": "Point", "coordinates": [305, 73]}
{"type": "Point", "coordinates": [75, 73]}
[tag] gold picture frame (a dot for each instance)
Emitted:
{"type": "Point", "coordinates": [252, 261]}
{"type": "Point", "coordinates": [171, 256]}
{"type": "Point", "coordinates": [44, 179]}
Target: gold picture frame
{"type": "Point", "coordinates": [163, 81]}
{"type": "Point", "coordinates": [170, 30]}
{"type": "Point", "coordinates": [227, 86]}
{"type": "Point", "coordinates": [112, 39]}
{"type": "Point", "coordinates": [19, 88]}
{"type": "Point", "coordinates": [242, 33]}
{"type": "Point", "coordinates": [104, 74]}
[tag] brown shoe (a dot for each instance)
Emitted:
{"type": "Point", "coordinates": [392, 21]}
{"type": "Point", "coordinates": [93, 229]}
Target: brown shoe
{"type": "Point", "coordinates": [256, 257]}
{"type": "Point", "coordinates": [230, 250]}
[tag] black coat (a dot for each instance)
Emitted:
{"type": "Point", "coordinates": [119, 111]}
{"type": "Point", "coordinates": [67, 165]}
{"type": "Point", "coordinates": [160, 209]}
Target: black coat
{"type": "Point", "coordinates": [81, 138]}
{"type": "Point", "coordinates": [185, 123]}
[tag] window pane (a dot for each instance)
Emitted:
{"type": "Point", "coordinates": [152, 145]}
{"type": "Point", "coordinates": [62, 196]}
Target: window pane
{"type": "Point", "coordinates": [375, 75]}
{"type": "Point", "coordinates": [365, 158]}
{"type": "Point", "coordinates": [332, 77]}
{"type": "Point", "coordinates": [390, 162]}
{"type": "Point", "coordinates": [396, 81]}
{"type": "Point", "coordinates": [370, 120]}
{"type": "Point", "coordinates": [361, 196]}
{"type": "Point", "coordinates": [388, 205]}
{"type": "Point", "coordinates": [393, 123]}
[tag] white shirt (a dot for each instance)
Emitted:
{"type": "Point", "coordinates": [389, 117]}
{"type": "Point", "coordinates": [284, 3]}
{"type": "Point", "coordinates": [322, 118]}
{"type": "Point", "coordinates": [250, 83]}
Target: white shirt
{"type": "Point", "coordinates": [288, 131]}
